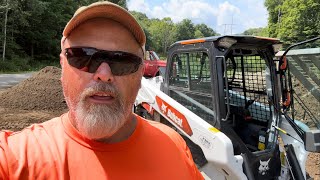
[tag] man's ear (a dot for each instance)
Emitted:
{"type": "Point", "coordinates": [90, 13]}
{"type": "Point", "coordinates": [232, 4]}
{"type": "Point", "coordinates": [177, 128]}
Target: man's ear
{"type": "Point", "coordinates": [61, 64]}
{"type": "Point", "coordinates": [61, 59]}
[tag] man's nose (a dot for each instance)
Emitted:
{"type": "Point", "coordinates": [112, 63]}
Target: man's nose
{"type": "Point", "coordinates": [103, 73]}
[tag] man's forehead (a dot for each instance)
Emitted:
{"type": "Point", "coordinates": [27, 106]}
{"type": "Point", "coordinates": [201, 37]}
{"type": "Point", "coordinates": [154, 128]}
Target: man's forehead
{"type": "Point", "coordinates": [102, 32]}
{"type": "Point", "coordinates": [101, 26]}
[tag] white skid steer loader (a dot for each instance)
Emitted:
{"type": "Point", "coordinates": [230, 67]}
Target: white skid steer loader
{"type": "Point", "coordinates": [231, 98]}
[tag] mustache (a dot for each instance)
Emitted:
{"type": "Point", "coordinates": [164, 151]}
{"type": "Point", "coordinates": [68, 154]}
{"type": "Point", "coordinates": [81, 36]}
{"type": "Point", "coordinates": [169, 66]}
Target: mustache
{"type": "Point", "coordinates": [100, 88]}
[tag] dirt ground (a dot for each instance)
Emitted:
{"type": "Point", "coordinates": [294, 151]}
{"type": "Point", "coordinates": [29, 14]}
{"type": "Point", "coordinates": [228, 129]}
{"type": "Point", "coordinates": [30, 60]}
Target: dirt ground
{"type": "Point", "coordinates": [39, 98]}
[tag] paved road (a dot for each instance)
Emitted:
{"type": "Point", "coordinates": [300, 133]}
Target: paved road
{"type": "Point", "coordinates": [8, 80]}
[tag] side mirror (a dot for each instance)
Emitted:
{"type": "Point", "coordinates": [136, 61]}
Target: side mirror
{"type": "Point", "coordinates": [312, 140]}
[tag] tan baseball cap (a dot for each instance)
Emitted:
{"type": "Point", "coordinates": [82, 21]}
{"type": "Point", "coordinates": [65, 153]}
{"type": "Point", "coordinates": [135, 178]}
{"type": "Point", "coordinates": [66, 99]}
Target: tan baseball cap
{"type": "Point", "coordinates": [106, 9]}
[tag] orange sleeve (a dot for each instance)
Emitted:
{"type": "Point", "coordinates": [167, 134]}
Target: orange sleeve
{"type": "Point", "coordinates": [197, 173]}
{"type": "Point", "coordinates": [182, 145]}
{"type": "Point", "coordinates": [3, 156]}
{"type": "Point", "coordinates": [193, 167]}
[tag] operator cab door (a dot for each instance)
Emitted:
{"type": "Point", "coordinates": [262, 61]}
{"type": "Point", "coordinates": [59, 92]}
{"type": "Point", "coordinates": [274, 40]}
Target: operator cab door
{"type": "Point", "coordinates": [247, 96]}
{"type": "Point", "coordinates": [246, 92]}
{"type": "Point", "coordinates": [190, 82]}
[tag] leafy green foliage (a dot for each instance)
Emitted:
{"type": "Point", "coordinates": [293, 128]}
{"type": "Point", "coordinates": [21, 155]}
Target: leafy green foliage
{"type": "Point", "coordinates": [185, 30]}
{"type": "Point", "coordinates": [161, 33]}
{"type": "Point", "coordinates": [122, 3]}
{"type": "Point", "coordinates": [293, 20]}
{"type": "Point", "coordinates": [256, 32]}
{"type": "Point", "coordinates": [274, 9]}
{"type": "Point", "coordinates": [34, 30]}
{"type": "Point", "coordinates": [202, 30]}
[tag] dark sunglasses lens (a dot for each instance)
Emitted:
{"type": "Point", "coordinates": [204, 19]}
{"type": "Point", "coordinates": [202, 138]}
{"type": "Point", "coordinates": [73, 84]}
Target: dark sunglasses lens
{"type": "Point", "coordinates": [94, 64]}
{"type": "Point", "coordinates": [78, 57]}
{"type": "Point", "coordinates": [121, 69]}
{"type": "Point", "coordinates": [121, 63]}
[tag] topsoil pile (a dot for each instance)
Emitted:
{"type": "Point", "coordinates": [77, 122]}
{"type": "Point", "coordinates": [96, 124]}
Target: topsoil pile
{"type": "Point", "coordinates": [34, 100]}
{"type": "Point", "coordinates": [309, 104]}
{"type": "Point", "coordinates": [42, 91]}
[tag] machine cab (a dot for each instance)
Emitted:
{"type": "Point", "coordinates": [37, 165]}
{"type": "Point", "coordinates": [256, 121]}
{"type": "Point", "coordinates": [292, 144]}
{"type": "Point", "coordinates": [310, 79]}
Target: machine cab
{"type": "Point", "coordinates": [233, 83]}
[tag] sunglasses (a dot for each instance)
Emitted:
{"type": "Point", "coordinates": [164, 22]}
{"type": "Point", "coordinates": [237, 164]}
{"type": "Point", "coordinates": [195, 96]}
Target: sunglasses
{"type": "Point", "coordinates": [89, 59]}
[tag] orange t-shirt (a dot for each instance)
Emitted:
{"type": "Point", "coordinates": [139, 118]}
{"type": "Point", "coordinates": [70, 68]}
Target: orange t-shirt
{"type": "Point", "coordinates": [56, 150]}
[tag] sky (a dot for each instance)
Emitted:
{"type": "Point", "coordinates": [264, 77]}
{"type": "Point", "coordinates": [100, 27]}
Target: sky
{"type": "Point", "coordinates": [225, 17]}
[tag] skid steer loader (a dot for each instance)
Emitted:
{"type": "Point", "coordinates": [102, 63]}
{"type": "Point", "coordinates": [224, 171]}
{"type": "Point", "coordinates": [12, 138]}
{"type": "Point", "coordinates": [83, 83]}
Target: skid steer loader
{"type": "Point", "coordinates": [232, 100]}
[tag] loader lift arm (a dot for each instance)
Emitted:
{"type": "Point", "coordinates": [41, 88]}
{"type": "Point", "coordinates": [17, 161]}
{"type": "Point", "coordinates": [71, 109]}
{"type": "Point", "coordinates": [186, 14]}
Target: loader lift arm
{"type": "Point", "coordinates": [216, 146]}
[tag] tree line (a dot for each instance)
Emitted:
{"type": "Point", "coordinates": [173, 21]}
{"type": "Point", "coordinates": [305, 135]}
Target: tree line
{"type": "Point", "coordinates": [291, 21]}
{"type": "Point", "coordinates": [32, 29]}
{"type": "Point", "coordinates": [161, 33]}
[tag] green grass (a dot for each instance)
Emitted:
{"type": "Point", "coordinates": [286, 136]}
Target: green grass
{"type": "Point", "coordinates": [25, 65]}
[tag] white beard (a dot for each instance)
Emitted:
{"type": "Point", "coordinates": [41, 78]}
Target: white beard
{"type": "Point", "coordinates": [98, 121]}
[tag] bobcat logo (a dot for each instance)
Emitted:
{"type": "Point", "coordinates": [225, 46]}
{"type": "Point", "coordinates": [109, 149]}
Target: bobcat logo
{"type": "Point", "coordinates": [264, 167]}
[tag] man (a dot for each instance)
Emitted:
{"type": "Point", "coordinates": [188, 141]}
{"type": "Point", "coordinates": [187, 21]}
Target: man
{"type": "Point", "coordinates": [99, 138]}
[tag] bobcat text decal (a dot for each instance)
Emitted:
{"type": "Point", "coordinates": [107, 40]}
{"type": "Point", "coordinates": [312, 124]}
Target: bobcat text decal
{"type": "Point", "coordinates": [175, 116]}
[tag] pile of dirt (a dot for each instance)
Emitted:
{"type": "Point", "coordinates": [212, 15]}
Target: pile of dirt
{"type": "Point", "coordinates": [309, 104]}
{"type": "Point", "coordinates": [34, 100]}
{"type": "Point", "coordinates": [42, 91]}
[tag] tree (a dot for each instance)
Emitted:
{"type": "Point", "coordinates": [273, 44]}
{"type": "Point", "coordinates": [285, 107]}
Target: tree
{"type": "Point", "coordinates": [6, 7]}
{"type": "Point", "coordinates": [256, 32]}
{"type": "Point", "coordinates": [293, 20]}
{"type": "Point", "coordinates": [145, 24]}
{"type": "Point", "coordinates": [202, 30]}
{"type": "Point", "coordinates": [34, 29]}
{"type": "Point", "coordinates": [163, 34]}
{"type": "Point", "coordinates": [185, 30]}
{"type": "Point", "coordinates": [274, 8]}
{"type": "Point", "coordinates": [141, 18]}
{"type": "Point", "coordinates": [14, 17]}
{"type": "Point", "coordinates": [198, 34]}
{"type": "Point", "coordinates": [122, 3]}
{"type": "Point", "coordinates": [300, 20]}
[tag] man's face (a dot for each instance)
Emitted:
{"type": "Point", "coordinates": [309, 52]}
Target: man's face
{"type": "Point", "coordinates": [100, 103]}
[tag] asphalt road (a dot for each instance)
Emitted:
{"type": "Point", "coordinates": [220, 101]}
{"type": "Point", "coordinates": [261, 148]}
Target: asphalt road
{"type": "Point", "coordinates": [8, 80]}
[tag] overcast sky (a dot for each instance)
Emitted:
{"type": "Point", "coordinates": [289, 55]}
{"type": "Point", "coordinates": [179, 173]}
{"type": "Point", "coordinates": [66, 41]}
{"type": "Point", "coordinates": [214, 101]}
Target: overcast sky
{"type": "Point", "coordinates": [217, 14]}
